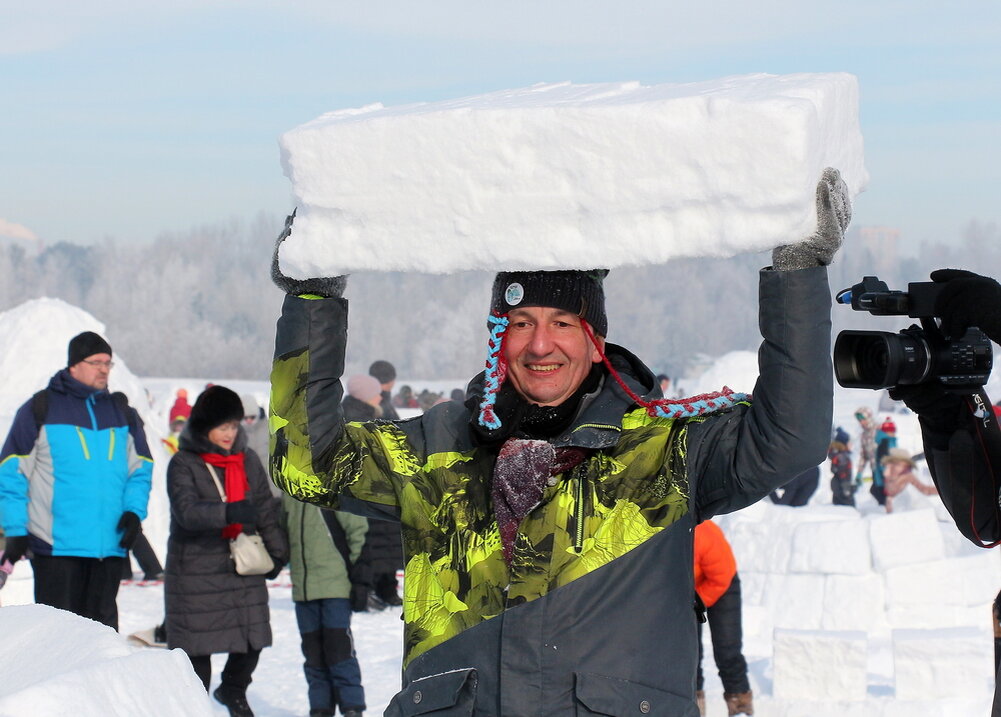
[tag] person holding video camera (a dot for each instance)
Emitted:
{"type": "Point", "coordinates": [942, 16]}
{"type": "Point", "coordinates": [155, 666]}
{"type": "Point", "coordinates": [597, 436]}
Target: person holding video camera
{"type": "Point", "coordinates": [961, 437]}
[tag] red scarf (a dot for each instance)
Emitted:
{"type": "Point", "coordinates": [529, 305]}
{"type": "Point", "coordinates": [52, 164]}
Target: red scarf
{"type": "Point", "coordinates": [234, 483]}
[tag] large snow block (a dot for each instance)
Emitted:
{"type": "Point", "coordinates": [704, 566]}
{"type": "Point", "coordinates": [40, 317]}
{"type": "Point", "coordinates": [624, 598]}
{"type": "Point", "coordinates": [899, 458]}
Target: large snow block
{"type": "Point", "coordinates": [905, 538]}
{"type": "Point", "coordinates": [937, 616]}
{"type": "Point", "coordinates": [819, 666]}
{"type": "Point", "coordinates": [939, 664]}
{"type": "Point", "coordinates": [837, 547]}
{"type": "Point", "coordinates": [795, 601]}
{"type": "Point", "coordinates": [563, 175]}
{"type": "Point", "coordinates": [854, 602]}
{"type": "Point", "coordinates": [56, 663]}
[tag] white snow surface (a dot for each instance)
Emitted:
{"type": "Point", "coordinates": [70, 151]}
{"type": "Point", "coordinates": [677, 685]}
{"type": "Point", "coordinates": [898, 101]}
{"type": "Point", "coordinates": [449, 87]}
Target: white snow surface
{"type": "Point", "coordinates": [569, 176]}
{"type": "Point", "coordinates": [905, 591]}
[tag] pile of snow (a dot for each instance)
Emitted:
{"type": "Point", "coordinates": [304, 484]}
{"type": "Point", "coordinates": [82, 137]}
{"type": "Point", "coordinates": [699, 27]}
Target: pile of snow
{"type": "Point", "coordinates": [56, 663]}
{"type": "Point", "coordinates": [600, 175]}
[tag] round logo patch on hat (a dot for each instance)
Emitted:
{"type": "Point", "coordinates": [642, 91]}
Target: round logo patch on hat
{"type": "Point", "coordinates": [514, 293]}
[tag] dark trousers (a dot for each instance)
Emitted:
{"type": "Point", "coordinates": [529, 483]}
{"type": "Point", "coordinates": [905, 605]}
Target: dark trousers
{"type": "Point", "coordinates": [144, 555]}
{"type": "Point", "coordinates": [798, 491]}
{"type": "Point", "coordinates": [385, 585]}
{"type": "Point", "coordinates": [85, 586]}
{"type": "Point", "coordinates": [727, 635]}
{"type": "Point", "coordinates": [333, 676]}
{"type": "Point", "coordinates": [237, 672]}
{"type": "Point", "coordinates": [842, 491]}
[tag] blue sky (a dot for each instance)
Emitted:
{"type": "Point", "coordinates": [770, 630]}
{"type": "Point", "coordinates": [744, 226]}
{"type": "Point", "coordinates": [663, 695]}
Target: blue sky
{"type": "Point", "coordinates": [130, 119]}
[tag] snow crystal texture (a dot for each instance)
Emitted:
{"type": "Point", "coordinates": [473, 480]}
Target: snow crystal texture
{"type": "Point", "coordinates": [569, 176]}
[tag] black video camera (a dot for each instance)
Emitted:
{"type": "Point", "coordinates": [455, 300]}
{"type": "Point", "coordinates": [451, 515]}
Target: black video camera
{"type": "Point", "coordinates": [918, 354]}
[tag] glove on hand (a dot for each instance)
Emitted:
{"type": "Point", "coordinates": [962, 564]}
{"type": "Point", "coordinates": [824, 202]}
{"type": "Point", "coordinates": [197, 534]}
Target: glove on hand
{"type": "Point", "coordinates": [968, 299]}
{"type": "Point", "coordinates": [276, 570]}
{"type": "Point", "coordinates": [834, 212]}
{"type": "Point", "coordinates": [359, 597]}
{"type": "Point", "coordinates": [329, 286]}
{"type": "Point", "coordinates": [130, 524]}
{"type": "Point", "coordinates": [241, 511]}
{"type": "Point", "coordinates": [15, 548]}
{"type": "Point", "coordinates": [939, 409]}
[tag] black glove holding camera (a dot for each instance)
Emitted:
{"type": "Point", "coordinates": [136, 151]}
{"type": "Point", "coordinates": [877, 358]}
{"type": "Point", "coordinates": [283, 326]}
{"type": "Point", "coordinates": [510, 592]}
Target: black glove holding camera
{"type": "Point", "coordinates": [966, 300]}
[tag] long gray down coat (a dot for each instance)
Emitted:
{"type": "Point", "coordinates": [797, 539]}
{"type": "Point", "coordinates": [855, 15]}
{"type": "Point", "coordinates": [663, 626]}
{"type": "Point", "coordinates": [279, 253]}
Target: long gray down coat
{"type": "Point", "coordinates": [209, 607]}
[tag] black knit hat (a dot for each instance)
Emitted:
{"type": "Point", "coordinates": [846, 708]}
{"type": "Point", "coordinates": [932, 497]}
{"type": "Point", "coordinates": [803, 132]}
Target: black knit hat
{"type": "Point", "coordinates": [383, 371]}
{"type": "Point", "coordinates": [579, 292]}
{"type": "Point", "coordinates": [86, 344]}
{"type": "Point", "coordinates": [215, 406]}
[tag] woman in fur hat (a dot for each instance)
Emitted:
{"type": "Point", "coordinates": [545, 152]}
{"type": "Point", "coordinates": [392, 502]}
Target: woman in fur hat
{"type": "Point", "coordinates": [209, 607]}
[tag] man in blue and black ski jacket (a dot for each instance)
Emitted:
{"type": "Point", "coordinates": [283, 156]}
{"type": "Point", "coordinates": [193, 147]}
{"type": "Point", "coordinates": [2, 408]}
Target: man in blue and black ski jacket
{"type": "Point", "coordinates": [75, 474]}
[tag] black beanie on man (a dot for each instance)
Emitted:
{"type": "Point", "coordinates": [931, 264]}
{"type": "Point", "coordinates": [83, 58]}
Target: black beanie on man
{"type": "Point", "coordinates": [86, 344]}
{"type": "Point", "coordinates": [579, 292]}
{"type": "Point", "coordinates": [215, 406]}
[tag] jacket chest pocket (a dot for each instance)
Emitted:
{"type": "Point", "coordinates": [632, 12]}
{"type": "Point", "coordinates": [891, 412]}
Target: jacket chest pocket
{"type": "Point", "coordinates": [449, 694]}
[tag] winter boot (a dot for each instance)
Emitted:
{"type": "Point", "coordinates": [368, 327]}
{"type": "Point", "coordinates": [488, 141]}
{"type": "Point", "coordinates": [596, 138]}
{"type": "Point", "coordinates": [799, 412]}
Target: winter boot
{"type": "Point", "coordinates": [235, 699]}
{"type": "Point", "coordinates": [700, 700]}
{"type": "Point", "coordinates": [739, 703]}
{"type": "Point", "coordinates": [351, 713]}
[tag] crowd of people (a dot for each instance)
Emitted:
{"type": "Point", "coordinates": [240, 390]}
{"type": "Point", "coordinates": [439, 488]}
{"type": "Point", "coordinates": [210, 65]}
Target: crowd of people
{"type": "Point", "coordinates": [75, 479]}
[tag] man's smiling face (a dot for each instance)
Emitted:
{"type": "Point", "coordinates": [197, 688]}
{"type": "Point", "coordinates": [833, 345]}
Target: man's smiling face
{"type": "Point", "coordinates": [548, 353]}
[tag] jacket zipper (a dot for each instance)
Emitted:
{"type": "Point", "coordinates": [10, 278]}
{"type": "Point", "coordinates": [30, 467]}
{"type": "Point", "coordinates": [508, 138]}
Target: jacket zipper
{"type": "Point", "coordinates": [83, 443]}
{"type": "Point", "coordinates": [302, 549]}
{"type": "Point", "coordinates": [111, 445]}
{"type": "Point", "coordinates": [579, 512]}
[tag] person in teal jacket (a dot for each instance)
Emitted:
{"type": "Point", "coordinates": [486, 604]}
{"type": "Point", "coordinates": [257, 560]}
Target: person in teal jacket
{"type": "Point", "coordinates": [328, 581]}
{"type": "Point", "coordinates": [75, 474]}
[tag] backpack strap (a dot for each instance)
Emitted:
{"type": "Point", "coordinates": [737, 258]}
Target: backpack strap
{"type": "Point", "coordinates": [337, 534]}
{"type": "Point", "coordinates": [40, 407]}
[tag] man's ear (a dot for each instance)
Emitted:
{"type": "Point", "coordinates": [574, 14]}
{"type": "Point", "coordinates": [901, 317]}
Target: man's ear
{"type": "Point", "coordinates": [595, 353]}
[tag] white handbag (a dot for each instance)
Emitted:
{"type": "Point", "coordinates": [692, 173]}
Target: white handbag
{"type": "Point", "coordinates": [250, 557]}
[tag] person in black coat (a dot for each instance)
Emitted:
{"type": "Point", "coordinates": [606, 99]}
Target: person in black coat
{"type": "Point", "coordinates": [385, 373]}
{"type": "Point", "coordinates": [209, 607]}
{"type": "Point", "coordinates": [383, 544]}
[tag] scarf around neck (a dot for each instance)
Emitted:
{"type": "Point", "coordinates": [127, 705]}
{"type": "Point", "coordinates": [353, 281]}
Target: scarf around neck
{"type": "Point", "coordinates": [234, 483]}
{"type": "Point", "coordinates": [524, 468]}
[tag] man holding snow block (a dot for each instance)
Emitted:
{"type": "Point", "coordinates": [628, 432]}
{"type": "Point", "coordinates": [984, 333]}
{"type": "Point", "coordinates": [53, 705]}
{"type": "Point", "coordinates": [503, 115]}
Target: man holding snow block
{"type": "Point", "coordinates": [547, 522]}
{"type": "Point", "coordinates": [75, 476]}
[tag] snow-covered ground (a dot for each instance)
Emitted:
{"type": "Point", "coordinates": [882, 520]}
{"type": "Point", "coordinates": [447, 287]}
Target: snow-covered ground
{"type": "Point", "coordinates": [845, 611]}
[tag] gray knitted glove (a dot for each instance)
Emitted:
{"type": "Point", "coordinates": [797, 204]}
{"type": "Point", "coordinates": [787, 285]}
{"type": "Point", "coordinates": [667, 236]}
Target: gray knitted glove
{"type": "Point", "coordinates": [328, 286]}
{"type": "Point", "coordinates": [834, 211]}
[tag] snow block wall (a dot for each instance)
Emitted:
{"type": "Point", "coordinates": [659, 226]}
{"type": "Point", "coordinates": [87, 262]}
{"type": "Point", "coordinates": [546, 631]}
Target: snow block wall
{"type": "Point", "coordinates": [599, 175]}
{"type": "Point", "coordinates": [829, 587]}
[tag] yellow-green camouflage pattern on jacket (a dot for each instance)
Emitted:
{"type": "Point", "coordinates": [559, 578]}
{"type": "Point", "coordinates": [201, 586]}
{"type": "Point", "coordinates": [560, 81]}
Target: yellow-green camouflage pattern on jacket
{"type": "Point", "coordinates": [456, 576]}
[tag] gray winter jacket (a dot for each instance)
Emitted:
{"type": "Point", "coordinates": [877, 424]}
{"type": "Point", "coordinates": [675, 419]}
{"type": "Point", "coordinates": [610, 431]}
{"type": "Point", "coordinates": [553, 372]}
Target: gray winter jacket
{"type": "Point", "coordinates": [209, 607]}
